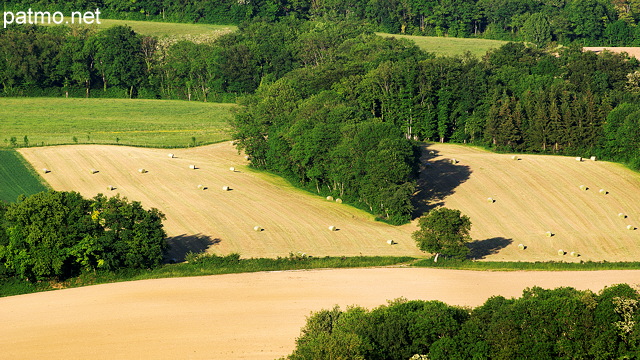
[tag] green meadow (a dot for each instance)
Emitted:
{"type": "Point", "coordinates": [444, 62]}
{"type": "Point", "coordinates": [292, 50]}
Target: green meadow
{"type": "Point", "coordinates": [152, 123]}
{"type": "Point", "coordinates": [451, 46]}
{"type": "Point", "coordinates": [161, 29]}
{"type": "Point", "coordinates": [17, 177]}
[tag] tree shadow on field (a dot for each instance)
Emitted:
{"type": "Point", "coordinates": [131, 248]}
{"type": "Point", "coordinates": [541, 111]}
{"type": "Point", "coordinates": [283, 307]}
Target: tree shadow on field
{"type": "Point", "coordinates": [480, 249]}
{"type": "Point", "coordinates": [181, 245]}
{"type": "Point", "coordinates": [439, 178]}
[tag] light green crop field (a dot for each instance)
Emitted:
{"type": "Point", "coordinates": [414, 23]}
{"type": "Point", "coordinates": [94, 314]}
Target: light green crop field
{"type": "Point", "coordinates": [153, 123]}
{"type": "Point", "coordinates": [17, 177]}
{"type": "Point", "coordinates": [160, 29]}
{"type": "Point", "coordinates": [450, 46]}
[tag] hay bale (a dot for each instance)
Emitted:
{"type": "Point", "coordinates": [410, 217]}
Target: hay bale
{"type": "Point", "coordinates": [583, 187]}
{"type": "Point", "coordinates": [561, 252]}
{"type": "Point", "coordinates": [171, 156]}
{"type": "Point", "coordinates": [630, 227]}
{"type": "Point", "coordinates": [202, 187]}
{"type": "Point", "coordinates": [232, 169]}
{"type": "Point", "coordinates": [257, 228]}
{"type": "Point", "coordinates": [94, 171]}
{"type": "Point", "coordinates": [574, 254]}
{"type": "Point", "coordinates": [192, 167]}
{"type": "Point", "coordinates": [391, 242]}
{"type": "Point", "coordinates": [622, 215]}
{"type": "Point", "coordinates": [339, 201]}
{"type": "Point", "coordinates": [246, 157]}
{"type": "Point", "coordinates": [431, 152]}
{"type": "Point", "coordinates": [111, 188]}
{"type": "Point", "coordinates": [46, 171]}
{"type": "Point", "coordinates": [330, 198]}
{"type": "Point", "coordinates": [578, 158]}
{"type": "Point", "coordinates": [593, 158]}
{"type": "Point", "coordinates": [142, 171]}
{"type": "Point", "coordinates": [514, 157]}
{"type": "Point", "coordinates": [332, 228]}
{"type": "Point", "coordinates": [521, 247]}
{"type": "Point", "coordinates": [453, 161]}
{"type": "Point", "coordinates": [225, 188]}
{"type": "Point", "coordinates": [549, 234]}
{"type": "Point", "coordinates": [603, 192]}
{"type": "Point", "coordinates": [490, 200]}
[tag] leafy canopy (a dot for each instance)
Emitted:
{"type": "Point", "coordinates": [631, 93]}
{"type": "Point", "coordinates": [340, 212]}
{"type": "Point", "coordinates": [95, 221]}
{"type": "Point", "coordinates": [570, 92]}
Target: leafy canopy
{"type": "Point", "coordinates": [444, 231]}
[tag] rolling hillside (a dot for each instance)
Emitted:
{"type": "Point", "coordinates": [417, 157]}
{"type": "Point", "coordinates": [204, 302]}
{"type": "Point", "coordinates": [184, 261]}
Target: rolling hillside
{"type": "Point", "coordinates": [532, 195]}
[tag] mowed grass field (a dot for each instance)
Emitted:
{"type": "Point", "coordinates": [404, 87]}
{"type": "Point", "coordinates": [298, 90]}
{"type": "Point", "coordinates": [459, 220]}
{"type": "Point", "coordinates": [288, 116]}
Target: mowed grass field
{"type": "Point", "coordinates": [451, 46]}
{"type": "Point", "coordinates": [532, 195]}
{"type": "Point", "coordinates": [161, 29]}
{"type": "Point", "coordinates": [157, 123]}
{"type": "Point", "coordinates": [17, 177]}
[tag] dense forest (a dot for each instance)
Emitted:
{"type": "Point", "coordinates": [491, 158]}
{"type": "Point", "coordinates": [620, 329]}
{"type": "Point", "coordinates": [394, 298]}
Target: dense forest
{"type": "Point", "coordinates": [589, 22]}
{"type": "Point", "coordinates": [57, 235]}
{"type": "Point", "coordinates": [339, 110]}
{"type": "Point", "coordinates": [564, 323]}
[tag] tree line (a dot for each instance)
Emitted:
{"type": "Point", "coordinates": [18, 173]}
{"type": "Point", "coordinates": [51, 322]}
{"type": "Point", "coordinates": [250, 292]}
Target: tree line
{"type": "Point", "coordinates": [562, 323]}
{"type": "Point", "coordinates": [589, 22]}
{"type": "Point", "coordinates": [58, 235]}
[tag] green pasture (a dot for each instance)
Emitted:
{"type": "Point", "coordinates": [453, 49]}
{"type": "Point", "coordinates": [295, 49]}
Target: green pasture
{"type": "Point", "coordinates": [159, 29]}
{"type": "Point", "coordinates": [151, 123]}
{"type": "Point", "coordinates": [17, 177]}
{"type": "Point", "coordinates": [451, 46]}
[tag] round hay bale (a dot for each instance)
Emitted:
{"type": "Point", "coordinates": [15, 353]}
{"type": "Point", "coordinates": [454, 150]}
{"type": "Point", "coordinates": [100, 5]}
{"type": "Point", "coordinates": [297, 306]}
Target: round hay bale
{"type": "Point", "coordinates": [142, 171]}
{"type": "Point", "coordinates": [94, 171]}
{"type": "Point", "coordinates": [490, 200]}
{"type": "Point", "coordinates": [622, 215]}
{"type": "Point", "coordinates": [583, 187]}
{"type": "Point", "coordinates": [330, 198]}
{"type": "Point", "coordinates": [246, 157]}
{"type": "Point", "coordinates": [431, 152]}
{"type": "Point", "coordinates": [578, 158]}
{"type": "Point", "coordinates": [603, 192]}
{"type": "Point", "coordinates": [171, 156]}
{"type": "Point", "coordinates": [453, 161]}
{"type": "Point", "coordinates": [514, 157]}
{"type": "Point", "coordinates": [574, 254]}
{"type": "Point", "coordinates": [593, 158]}
{"type": "Point", "coordinates": [232, 169]}
{"type": "Point", "coordinates": [630, 227]}
{"type": "Point", "coordinates": [549, 234]}
{"type": "Point", "coordinates": [192, 167]}
{"type": "Point", "coordinates": [111, 188]}
{"type": "Point", "coordinates": [561, 252]}
{"type": "Point", "coordinates": [257, 228]}
{"type": "Point", "coordinates": [339, 201]}
{"type": "Point", "coordinates": [202, 187]}
{"type": "Point", "coordinates": [225, 188]}
{"type": "Point", "coordinates": [46, 171]}
{"type": "Point", "coordinates": [332, 228]}
{"type": "Point", "coordinates": [521, 247]}
{"type": "Point", "coordinates": [391, 242]}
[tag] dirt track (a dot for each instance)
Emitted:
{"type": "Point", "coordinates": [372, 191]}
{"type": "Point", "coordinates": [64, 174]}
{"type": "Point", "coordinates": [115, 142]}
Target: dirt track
{"type": "Point", "coordinates": [239, 316]}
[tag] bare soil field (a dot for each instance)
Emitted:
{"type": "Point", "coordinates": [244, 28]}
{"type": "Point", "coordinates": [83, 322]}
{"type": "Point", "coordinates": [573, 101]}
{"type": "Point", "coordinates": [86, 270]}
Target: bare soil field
{"type": "Point", "coordinates": [237, 316]}
{"type": "Point", "coordinates": [632, 51]}
{"type": "Point", "coordinates": [222, 221]}
{"type": "Point", "coordinates": [536, 194]}
{"type": "Point", "coordinates": [533, 195]}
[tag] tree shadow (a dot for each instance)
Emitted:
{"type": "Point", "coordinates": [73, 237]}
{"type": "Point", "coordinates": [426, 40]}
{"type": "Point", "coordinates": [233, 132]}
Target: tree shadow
{"type": "Point", "coordinates": [181, 245]}
{"type": "Point", "coordinates": [480, 249]}
{"type": "Point", "coordinates": [439, 178]}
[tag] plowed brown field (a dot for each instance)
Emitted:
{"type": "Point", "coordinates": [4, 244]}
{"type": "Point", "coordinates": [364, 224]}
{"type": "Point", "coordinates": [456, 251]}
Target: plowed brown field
{"type": "Point", "coordinates": [239, 316]}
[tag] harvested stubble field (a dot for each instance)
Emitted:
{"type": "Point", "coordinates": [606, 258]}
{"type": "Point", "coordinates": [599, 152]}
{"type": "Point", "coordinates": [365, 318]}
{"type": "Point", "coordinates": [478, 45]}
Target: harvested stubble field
{"type": "Point", "coordinates": [536, 194]}
{"type": "Point", "coordinates": [532, 195]}
{"type": "Point", "coordinates": [237, 316]}
{"type": "Point", "coordinates": [293, 220]}
{"type": "Point", "coordinates": [450, 46]}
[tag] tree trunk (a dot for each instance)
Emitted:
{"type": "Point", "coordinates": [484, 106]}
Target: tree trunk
{"type": "Point", "coordinates": [435, 259]}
